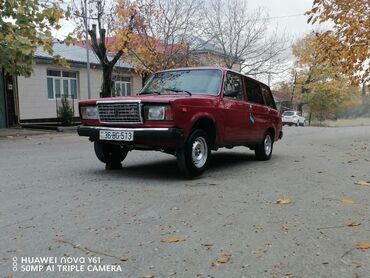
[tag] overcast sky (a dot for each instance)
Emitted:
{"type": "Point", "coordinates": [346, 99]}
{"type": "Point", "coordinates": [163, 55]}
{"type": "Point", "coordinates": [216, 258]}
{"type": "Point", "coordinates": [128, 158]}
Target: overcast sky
{"type": "Point", "coordinates": [296, 26]}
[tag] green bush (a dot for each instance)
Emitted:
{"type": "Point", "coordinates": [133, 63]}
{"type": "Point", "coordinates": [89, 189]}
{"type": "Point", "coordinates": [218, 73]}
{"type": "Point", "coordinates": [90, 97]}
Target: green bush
{"type": "Point", "coordinates": [65, 112]}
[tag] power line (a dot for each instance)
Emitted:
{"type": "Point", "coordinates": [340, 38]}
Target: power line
{"type": "Point", "coordinates": [282, 16]}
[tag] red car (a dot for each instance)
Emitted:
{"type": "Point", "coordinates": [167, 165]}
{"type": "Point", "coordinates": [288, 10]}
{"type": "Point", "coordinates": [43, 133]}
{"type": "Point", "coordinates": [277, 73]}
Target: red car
{"type": "Point", "coordinates": [185, 112]}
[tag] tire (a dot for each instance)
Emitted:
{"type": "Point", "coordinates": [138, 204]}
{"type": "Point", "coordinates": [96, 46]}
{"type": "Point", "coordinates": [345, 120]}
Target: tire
{"type": "Point", "coordinates": [263, 150]}
{"type": "Point", "coordinates": [193, 158]}
{"type": "Point", "coordinates": [110, 154]}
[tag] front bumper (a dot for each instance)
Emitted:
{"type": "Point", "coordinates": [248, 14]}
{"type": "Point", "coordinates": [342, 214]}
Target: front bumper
{"type": "Point", "coordinates": [148, 137]}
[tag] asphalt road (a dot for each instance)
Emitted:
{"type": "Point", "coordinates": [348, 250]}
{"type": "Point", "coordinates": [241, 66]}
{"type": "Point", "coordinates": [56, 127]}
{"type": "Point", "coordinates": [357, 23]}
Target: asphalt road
{"type": "Point", "coordinates": [57, 200]}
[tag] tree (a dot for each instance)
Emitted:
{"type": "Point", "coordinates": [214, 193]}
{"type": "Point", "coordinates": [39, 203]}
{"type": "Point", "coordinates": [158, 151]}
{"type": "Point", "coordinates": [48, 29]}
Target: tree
{"type": "Point", "coordinates": [165, 37]}
{"type": "Point", "coordinates": [110, 19]}
{"type": "Point", "coordinates": [25, 25]}
{"type": "Point", "coordinates": [242, 35]}
{"type": "Point", "coordinates": [346, 46]}
{"type": "Point", "coordinates": [319, 85]}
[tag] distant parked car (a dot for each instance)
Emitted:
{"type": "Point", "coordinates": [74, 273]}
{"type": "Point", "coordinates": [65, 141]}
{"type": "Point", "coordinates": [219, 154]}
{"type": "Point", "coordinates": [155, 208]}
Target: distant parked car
{"type": "Point", "coordinates": [293, 118]}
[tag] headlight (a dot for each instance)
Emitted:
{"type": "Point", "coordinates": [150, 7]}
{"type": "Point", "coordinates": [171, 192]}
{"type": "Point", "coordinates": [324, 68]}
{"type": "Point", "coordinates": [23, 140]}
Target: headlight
{"type": "Point", "coordinates": [158, 113]}
{"type": "Point", "coordinates": [89, 112]}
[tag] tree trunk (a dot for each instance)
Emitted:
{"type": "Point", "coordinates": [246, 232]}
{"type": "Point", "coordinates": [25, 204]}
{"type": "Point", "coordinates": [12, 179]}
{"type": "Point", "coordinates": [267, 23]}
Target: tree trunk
{"type": "Point", "coordinates": [107, 81]}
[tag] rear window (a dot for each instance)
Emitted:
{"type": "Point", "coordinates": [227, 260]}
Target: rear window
{"type": "Point", "coordinates": [288, 113]}
{"type": "Point", "coordinates": [254, 92]}
{"type": "Point", "coordinates": [269, 100]}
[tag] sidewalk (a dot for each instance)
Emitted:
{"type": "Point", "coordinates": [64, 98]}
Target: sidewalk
{"type": "Point", "coordinates": [21, 132]}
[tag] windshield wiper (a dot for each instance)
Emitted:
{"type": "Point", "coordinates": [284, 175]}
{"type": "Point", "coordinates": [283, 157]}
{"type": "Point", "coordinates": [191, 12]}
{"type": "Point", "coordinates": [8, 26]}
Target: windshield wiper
{"type": "Point", "coordinates": [177, 91]}
{"type": "Point", "coordinates": [149, 93]}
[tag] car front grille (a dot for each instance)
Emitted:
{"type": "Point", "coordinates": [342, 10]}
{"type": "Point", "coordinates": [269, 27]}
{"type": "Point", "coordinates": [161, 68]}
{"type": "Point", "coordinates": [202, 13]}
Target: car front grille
{"type": "Point", "coordinates": [120, 112]}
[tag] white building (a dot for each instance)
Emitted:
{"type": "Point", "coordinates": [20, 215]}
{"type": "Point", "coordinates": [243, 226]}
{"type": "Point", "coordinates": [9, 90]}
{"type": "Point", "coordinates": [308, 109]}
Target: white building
{"type": "Point", "coordinates": [40, 94]}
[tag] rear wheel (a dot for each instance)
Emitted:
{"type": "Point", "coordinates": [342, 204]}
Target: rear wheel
{"type": "Point", "coordinates": [193, 158]}
{"type": "Point", "coordinates": [263, 150]}
{"type": "Point", "coordinates": [111, 155]}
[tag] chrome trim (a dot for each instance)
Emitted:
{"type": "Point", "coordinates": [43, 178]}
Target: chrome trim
{"type": "Point", "coordinates": [117, 101]}
{"type": "Point", "coordinates": [139, 104]}
{"type": "Point", "coordinates": [127, 129]}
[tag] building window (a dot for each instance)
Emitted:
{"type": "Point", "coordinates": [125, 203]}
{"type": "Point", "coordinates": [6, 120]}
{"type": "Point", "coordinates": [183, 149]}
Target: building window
{"type": "Point", "coordinates": [122, 86]}
{"type": "Point", "coordinates": [62, 84]}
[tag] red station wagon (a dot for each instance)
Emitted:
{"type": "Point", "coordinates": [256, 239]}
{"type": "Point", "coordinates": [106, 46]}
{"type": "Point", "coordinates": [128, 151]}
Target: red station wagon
{"type": "Point", "coordinates": [185, 112]}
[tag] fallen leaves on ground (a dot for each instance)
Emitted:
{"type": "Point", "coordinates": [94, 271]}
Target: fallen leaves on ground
{"type": "Point", "coordinates": [283, 201]}
{"type": "Point", "coordinates": [363, 183]}
{"type": "Point", "coordinates": [363, 245]}
{"type": "Point", "coordinates": [172, 239]}
{"type": "Point", "coordinates": [346, 201]}
{"type": "Point", "coordinates": [222, 260]}
{"type": "Point", "coordinates": [354, 224]}
{"type": "Point", "coordinates": [148, 276]}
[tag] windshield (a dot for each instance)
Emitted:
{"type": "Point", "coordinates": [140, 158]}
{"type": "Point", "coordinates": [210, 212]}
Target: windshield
{"type": "Point", "coordinates": [200, 81]}
{"type": "Point", "coordinates": [288, 113]}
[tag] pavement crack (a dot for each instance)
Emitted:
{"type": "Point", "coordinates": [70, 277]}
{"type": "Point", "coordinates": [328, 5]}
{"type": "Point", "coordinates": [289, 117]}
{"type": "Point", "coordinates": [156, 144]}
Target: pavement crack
{"type": "Point", "coordinates": [89, 251]}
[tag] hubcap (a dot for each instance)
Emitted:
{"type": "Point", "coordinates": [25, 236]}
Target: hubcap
{"type": "Point", "coordinates": [268, 144]}
{"type": "Point", "coordinates": [199, 152]}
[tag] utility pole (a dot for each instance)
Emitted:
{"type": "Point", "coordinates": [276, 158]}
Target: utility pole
{"type": "Point", "coordinates": [87, 51]}
{"type": "Point", "coordinates": [293, 89]}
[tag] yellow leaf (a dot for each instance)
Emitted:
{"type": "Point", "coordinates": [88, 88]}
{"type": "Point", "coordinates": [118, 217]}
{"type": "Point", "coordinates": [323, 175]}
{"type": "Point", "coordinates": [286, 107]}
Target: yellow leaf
{"type": "Point", "coordinates": [222, 260]}
{"type": "Point", "coordinates": [346, 201]}
{"type": "Point", "coordinates": [354, 224]}
{"type": "Point", "coordinates": [283, 201]}
{"type": "Point", "coordinates": [364, 183]}
{"type": "Point", "coordinates": [148, 276]}
{"type": "Point", "coordinates": [171, 239]}
{"type": "Point", "coordinates": [363, 245]}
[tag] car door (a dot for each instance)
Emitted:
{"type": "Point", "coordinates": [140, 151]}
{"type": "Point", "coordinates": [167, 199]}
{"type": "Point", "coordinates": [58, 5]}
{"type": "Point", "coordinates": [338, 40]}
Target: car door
{"type": "Point", "coordinates": [235, 109]}
{"type": "Point", "coordinates": [259, 112]}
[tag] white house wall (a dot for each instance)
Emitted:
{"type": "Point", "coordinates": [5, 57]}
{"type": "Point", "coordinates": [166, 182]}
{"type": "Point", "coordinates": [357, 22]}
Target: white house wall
{"type": "Point", "coordinates": [33, 95]}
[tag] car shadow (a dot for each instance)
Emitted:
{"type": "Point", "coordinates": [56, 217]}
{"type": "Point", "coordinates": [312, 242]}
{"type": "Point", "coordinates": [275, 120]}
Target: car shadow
{"type": "Point", "coordinates": [166, 169]}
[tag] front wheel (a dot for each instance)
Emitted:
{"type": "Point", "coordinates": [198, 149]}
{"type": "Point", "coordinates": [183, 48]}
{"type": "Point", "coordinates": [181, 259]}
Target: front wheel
{"type": "Point", "coordinates": [193, 158]}
{"type": "Point", "coordinates": [111, 155]}
{"type": "Point", "coordinates": [263, 150]}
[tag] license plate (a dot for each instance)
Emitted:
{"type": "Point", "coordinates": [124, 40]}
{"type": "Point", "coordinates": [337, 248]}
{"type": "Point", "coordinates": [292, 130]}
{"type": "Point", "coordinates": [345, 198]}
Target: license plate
{"type": "Point", "coordinates": [116, 135]}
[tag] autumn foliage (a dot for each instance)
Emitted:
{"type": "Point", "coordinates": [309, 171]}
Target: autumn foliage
{"type": "Point", "coordinates": [25, 25]}
{"type": "Point", "coordinates": [319, 84]}
{"type": "Point", "coordinates": [346, 46]}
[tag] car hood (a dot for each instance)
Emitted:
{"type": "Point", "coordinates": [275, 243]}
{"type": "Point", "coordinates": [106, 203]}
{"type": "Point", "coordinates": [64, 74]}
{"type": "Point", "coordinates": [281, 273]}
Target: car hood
{"type": "Point", "coordinates": [164, 98]}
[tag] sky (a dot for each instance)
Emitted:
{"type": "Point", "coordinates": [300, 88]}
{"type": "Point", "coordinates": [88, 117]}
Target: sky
{"type": "Point", "coordinates": [290, 13]}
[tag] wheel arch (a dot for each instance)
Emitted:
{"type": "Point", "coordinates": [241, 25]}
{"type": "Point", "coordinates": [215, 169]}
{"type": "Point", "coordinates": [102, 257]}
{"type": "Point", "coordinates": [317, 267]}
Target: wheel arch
{"type": "Point", "coordinates": [208, 125]}
{"type": "Point", "coordinates": [273, 133]}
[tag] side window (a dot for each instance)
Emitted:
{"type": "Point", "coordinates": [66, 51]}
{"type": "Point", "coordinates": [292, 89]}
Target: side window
{"type": "Point", "coordinates": [268, 97]}
{"type": "Point", "coordinates": [233, 87]}
{"type": "Point", "coordinates": [254, 92]}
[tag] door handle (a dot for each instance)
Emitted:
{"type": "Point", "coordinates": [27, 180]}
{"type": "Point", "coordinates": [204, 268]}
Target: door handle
{"type": "Point", "coordinates": [248, 106]}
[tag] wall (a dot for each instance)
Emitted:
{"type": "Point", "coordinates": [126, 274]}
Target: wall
{"type": "Point", "coordinates": [33, 96]}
